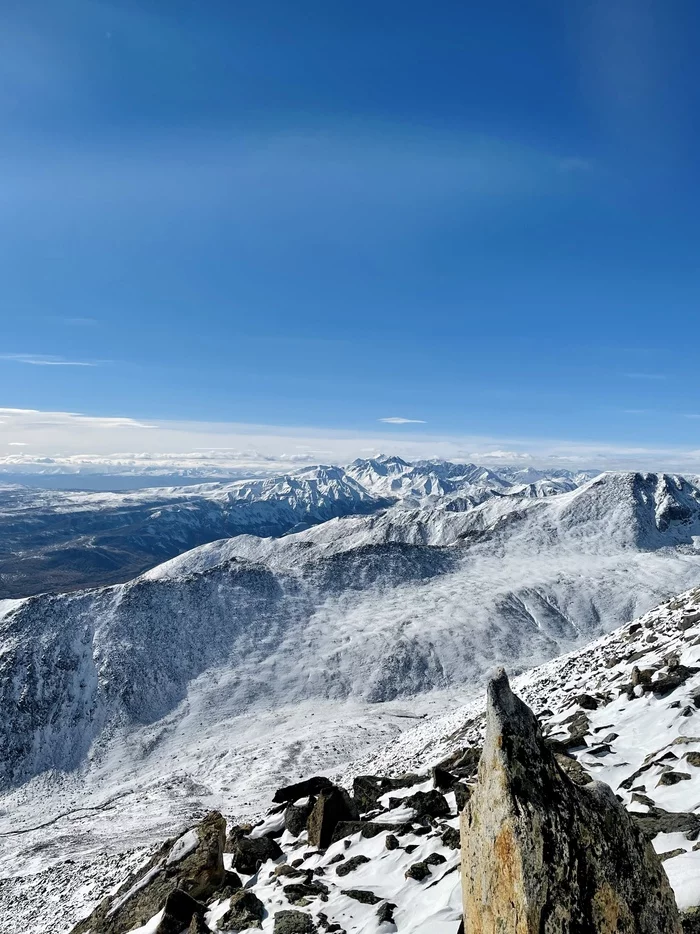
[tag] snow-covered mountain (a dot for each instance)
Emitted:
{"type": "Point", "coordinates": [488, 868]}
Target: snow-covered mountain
{"type": "Point", "coordinates": [60, 540]}
{"type": "Point", "coordinates": [55, 540]}
{"type": "Point", "coordinates": [256, 658]}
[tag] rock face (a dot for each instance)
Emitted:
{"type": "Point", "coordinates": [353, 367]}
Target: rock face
{"type": "Point", "coordinates": [180, 873]}
{"type": "Point", "coordinates": [542, 855]}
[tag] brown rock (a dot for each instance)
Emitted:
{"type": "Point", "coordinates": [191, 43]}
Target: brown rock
{"type": "Point", "coordinates": [542, 855]}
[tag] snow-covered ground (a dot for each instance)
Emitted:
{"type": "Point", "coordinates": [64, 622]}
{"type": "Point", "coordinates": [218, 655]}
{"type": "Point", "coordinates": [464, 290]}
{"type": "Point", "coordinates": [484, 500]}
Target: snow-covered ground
{"type": "Point", "coordinates": [634, 738]}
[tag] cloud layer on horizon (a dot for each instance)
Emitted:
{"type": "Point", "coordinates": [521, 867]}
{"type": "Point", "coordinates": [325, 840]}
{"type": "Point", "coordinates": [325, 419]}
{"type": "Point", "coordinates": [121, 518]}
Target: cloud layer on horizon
{"type": "Point", "coordinates": [33, 441]}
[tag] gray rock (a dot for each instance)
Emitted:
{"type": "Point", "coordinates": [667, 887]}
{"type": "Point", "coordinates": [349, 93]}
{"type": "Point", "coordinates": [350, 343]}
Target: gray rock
{"type": "Point", "coordinates": [296, 816]}
{"type": "Point", "coordinates": [362, 895]}
{"type": "Point", "coordinates": [418, 871]}
{"type": "Point", "coordinates": [293, 922]}
{"type": "Point", "coordinates": [368, 789]}
{"type": "Point", "coordinates": [385, 913]}
{"type": "Point", "coordinates": [365, 828]}
{"type": "Point", "coordinates": [542, 855]}
{"type": "Point", "coordinates": [350, 865]}
{"type": "Point", "coordinates": [245, 911]}
{"type": "Point", "coordinates": [250, 852]}
{"type": "Point", "coordinates": [296, 891]}
{"type": "Point", "coordinates": [428, 804]}
{"type": "Point", "coordinates": [198, 874]}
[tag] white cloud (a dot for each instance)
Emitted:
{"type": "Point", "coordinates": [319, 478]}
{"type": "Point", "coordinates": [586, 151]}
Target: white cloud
{"type": "Point", "coordinates": [46, 360]}
{"type": "Point", "coordinates": [70, 442]}
{"type": "Point", "coordinates": [397, 420]}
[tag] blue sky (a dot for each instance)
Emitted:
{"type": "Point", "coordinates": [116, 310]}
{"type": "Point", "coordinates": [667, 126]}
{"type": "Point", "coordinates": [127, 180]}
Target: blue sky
{"type": "Point", "coordinates": [480, 217]}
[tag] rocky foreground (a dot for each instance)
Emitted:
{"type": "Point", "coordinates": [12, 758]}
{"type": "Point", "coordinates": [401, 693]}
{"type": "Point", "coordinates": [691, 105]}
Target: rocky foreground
{"type": "Point", "coordinates": [543, 849]}
{"type": "Point", "coordinates": [380, 852]}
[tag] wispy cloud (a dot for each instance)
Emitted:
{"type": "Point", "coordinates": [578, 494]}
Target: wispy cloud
{"type": "Point", "coordinates": [397, 420]}
{"type": "Point", "coordinates": [652, 376]}
{"type": "Point", "coordinates": [38, 359]}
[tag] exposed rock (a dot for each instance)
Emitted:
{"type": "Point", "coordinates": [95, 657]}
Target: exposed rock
{"type": "Point", "coordinates": [573, 769]}
{"type": "Point", "coordinates": [391, 842]}
{"type": "Point", "coordinates": [293, 922]}
{"type": "Point", "coordinates": [428, 804]}
{"type": "Point", "coordinates": [296, 816]}
{"type": "Point", "coordinates": [250, 852]}
{"type": "Point", "coordinates": [178, 911]}
{"type": "Point", "coordinates": [245, 911]}
{"type": "Point", "coordinates": [672, 778]}
{"type": "Point", "coordinates": [542, 855]}
{"type": "Point", "coordinates": [310, 786]}
{"type": "Point", "coordinates": [350, 865]}
{"type": "Point", "coordinates": [332, 806]}
{"type": "Point", "coordinates": [385, 912]}
{"type": "Point", "coordinates": [368, 789]}
{"type": "Point", "coordinates": [362, 895]}
{"type": "Point", "coordinates": [418, 871]}
{"type": "Point", "coordinates": [463, 763]}
{"type": "Point", "coordinates": [297, 891]}
{"type": "Point", "coordinates": [656, 820]}
{"type": "Point", "coordinates": [451, 838]}
{"type": "Point", "coordinates": [366, 828]}
{"type": "Point", "coordinates": [442, 779]}
{"type": "Point", "coordinates": [198, 926]}
{"type": "Point", "coordinates": [192, 863]}
{"type": "Point", "coordinates": [462, 794]}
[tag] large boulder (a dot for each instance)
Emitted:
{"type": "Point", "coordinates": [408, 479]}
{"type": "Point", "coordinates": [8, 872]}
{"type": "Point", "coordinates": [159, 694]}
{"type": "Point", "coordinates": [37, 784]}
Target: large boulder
{"type": "Point", "coordinates": [310, 786]}
{"type": "Point", "coordinates": [193, 864]}
{"type": "Point", "coordinates": [249, 853]}
{"type": "Point", "coordinates": [543, 855]}
{"type": "Point", "coordinates": [333, 805]}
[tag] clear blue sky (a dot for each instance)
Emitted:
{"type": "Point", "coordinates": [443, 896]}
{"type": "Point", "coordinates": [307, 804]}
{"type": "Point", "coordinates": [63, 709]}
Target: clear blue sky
{"type": "Point", "coordinates": [484, 216]}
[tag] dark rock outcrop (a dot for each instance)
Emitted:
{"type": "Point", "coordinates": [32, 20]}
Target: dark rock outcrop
{"type": "Point", "coordinates": [245, 911]}
{"type": "Point", "coordinates": [192, 865]}
{"type": "Point", "coordinates": [310, 786]}
{"type": "Point", "coordinates": [542, 855]}
{"type": "Point", "coordinates": [250, 852]}
{"type": "Point", "coordinates": [178, 911]}
{"type": "Point", "coordinates": [368, 789]}
{"type": "Point", "coordinates": [293, 922]}
{"type": "Point", "coordinates": [333, 805]}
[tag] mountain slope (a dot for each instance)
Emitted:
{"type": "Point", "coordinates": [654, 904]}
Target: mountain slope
{"type": "Point", "coordinates": [149, 678]}
{"type": "Point", "coordinates": [54, 540]}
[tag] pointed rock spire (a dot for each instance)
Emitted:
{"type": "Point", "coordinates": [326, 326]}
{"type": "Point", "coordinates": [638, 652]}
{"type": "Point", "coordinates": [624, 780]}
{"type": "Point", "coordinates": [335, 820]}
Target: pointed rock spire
{"type": "Point", "coordinates": [541, 855]}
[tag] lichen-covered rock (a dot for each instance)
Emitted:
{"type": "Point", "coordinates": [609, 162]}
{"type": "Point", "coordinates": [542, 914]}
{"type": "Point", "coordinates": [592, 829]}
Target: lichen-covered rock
{"type": "Point", "coordinates": [245, 911]}
{"type": "Point", "coordinates": [542, 855]}
{"type": "Point", "coordinates": [293, 922]}
{"type": "Point", "coordinates": [193, 864]}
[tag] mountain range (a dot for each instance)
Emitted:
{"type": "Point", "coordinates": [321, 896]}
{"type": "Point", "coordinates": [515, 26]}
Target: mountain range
{"type": "Point", "coordinates": [65, 540]}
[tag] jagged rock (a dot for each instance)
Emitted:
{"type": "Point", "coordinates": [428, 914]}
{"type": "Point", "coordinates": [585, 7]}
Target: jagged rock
{"type": "Point", "coordinates": [385, 912]}
{"type": "Point", "coordinates": [463, 763]}
{"type": "Point", "coordinates": [193, 863]}
{"type": "Point", "coordinates": [291, 872]}
{"type": "Point", "coordinates": [310, 786]}
{"type": "Point", "coordinates": [391, 842]}
{"type": "Point", "coordinates": [434, 859]}
{"type": "Point", "coordinates": [362, 895]}
{"type": "Point", "coordinates": [178, 911]}
{"type": "Point", "coordinates": [450, 838]}
{"type": "Point", "coordinates": [368, 789]}
{"type": "Point", "coordinates": [542, 855]}
{"type": "Point", "coordinates": [245, 911]}
{"type": "Point", "coordinates": [428, 804]}
{"type": "Point", "coordinates": [296, 816]}
{"type": "Point", "coordinates": [293, 922]}
{"type": "Point", "coordinates": [690, 920]}
{"type": "Point", "coordinates": [669, 854]}
{"type": "Point", "coordinates": [366, 828]}
{"type": "Point", "coordinates": [250, 852]}
{"type": "Point", "coordinates": [350, 865]}
{"type": "Point", "coordinates": [656, 820]}
{"type": "Point", "coordinates": [418, 871]}
{"type": "Point", "coordinates": [672, 778]}
{"type": "Point", "coordinates": [332, 806]}
{"type": "Point", "coordinates": [297, 891]}
{"type": "Point", "coordinates": [693, 758]}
